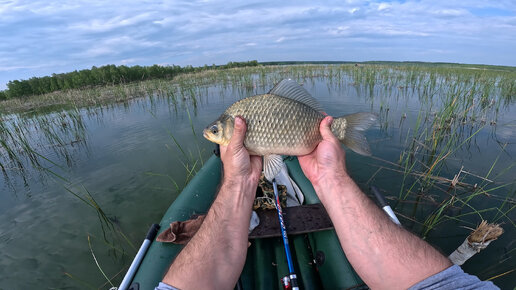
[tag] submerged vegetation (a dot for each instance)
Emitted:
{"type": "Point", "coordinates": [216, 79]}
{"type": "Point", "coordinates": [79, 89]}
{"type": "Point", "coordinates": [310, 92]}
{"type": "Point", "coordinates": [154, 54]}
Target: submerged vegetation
{"type": "Point", "coordinates": [31, 140]}
{"type": "Point", "coordinates": [439, 113]}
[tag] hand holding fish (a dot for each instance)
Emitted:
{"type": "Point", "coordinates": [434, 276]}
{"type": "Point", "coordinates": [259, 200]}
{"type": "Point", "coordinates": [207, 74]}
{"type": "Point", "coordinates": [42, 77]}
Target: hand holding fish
{"type": "Point", "coordinates": [238, 164]}
{"type": "Point", "coordinates": [327, 162]}
{"type": "Point", "coordinates": [286, 121]}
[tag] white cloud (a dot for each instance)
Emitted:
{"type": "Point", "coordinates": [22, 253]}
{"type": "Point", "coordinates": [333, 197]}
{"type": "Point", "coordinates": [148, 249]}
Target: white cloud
{"type": "Point", "coordinates": [384, 6]}
{"type": "Point", "coordinates": [340, 30]}
{"type": "Point", "coordinates": [41, 37]}
{"type": "Point", "coordinates": [116, 46]}
{"type": "Point", "coordinates": [281, 39]}
{"type": "Point", "coordinates": [103, 25]}
{"type": "Point", "coordinates": [11, 68]}
{"type": "Point", "coordinates": [129, 61]}
{"type": "Point", "coordinates": [451, 12]}
{"type": "Point", "coordinates": [353, 10]}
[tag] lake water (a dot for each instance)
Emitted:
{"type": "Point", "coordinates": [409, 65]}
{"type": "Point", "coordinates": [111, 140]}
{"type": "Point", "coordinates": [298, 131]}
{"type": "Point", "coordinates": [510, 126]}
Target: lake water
{"type": "Point", "coordinates": [127, 159]}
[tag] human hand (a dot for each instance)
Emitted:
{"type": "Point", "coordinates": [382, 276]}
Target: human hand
{"type": "Point", "coordinates": [326, 164]}
{"type": "Point", "coordinates": [239, 166]}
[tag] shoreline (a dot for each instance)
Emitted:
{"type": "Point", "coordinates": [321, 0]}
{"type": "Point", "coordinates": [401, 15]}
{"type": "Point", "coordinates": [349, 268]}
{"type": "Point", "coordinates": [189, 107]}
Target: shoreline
{"type": "Point", "coordinates": [184, 85]}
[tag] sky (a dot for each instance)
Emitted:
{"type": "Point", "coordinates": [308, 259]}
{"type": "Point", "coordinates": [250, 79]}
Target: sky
{"type": "Point", "coordinates": [42, 37]}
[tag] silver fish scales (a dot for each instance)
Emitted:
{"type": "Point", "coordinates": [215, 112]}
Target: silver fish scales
{"type": "Point", "coordinates": [278, 125]}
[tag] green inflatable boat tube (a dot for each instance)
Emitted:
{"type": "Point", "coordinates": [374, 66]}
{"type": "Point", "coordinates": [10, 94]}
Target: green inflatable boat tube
{"type": "Point", "coordinates": [318, 258]}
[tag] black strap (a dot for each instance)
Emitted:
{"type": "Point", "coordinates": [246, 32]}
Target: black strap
{"type": "Point", "coordinates": [216, 151]}
{"type": "Point", "coordinates": [298, 220]}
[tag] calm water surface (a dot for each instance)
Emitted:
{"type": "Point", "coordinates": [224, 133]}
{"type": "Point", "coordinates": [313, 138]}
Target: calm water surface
{"type": "Point", "coordinates": [44, 229]}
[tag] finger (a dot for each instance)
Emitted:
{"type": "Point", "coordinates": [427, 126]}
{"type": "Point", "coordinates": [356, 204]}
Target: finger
{"type": "Point", "coordinates": [325, 129]}
{"type": "Point", "coordinates": [237, 140]}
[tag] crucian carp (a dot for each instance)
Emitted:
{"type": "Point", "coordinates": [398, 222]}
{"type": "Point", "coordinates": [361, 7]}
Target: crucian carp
{"type": "Point", "coordinates": [286, 121]}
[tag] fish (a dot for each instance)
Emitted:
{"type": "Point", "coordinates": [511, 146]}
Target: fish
{"type": "Point", "coordinates": [286, 121]}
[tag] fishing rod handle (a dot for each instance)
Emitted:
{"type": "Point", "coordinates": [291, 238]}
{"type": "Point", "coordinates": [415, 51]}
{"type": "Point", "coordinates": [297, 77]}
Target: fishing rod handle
{"type": "Point", "coordinates": [293, 281]}
{"type": "Point", "coordinates": [153, 232]}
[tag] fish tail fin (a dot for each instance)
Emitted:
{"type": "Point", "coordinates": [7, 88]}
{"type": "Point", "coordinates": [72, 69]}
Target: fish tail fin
{"type": "Point", "coordinates": [348, 129]}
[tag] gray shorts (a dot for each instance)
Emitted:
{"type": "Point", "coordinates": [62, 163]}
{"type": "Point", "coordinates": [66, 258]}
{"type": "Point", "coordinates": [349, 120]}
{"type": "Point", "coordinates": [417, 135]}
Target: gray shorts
{"type": "Point", "coordinates": [453, 278]}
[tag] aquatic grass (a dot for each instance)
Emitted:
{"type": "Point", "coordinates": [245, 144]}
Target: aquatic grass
{"type": "Point", "coordinates": [509, 198]}
{"type": "Point", "coordinates": [170, 178]}
{"type": "Point", "coordinates": [199, 151]}
{"type": "Point", "coordinates": [435, 138]}
{"type": "Point", "coordinates": [108, 280]}
{"type": "Point", "coordinates": [97, 263]}
{"type": "Point", "coordinates": [112, 236]}
{"type": "Point", "coordinates": [500, 275]}
{"type": "Point", "coordinates": [25, 140]}
{"type": "Point", "coordinates": [87, 199]}
{"type": "Point", "coordinates": [82, 282]}
{"type": "Point", "coordinates": [437, 217]}
{"type": "Point", "coordinates": [189, 160]}
{"type": "Point", "coordinates": [111, 245]}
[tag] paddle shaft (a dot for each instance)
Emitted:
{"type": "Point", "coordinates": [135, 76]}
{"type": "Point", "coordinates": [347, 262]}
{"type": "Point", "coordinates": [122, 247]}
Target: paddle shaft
{"type": "Point", "coordinates": [292, 276]}
{"type": "Point", "coordinates": [151, 234]}
{"type": "Point", "coordinates": [385, 206]}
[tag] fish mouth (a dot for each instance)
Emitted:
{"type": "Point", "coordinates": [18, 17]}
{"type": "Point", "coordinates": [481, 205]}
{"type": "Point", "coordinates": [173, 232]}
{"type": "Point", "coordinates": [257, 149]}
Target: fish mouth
{"type": "Point", "coordinates": [205, 135]}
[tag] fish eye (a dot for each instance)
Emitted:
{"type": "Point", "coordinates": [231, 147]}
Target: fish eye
{"type": "Point", "coordinates": [214, 129]}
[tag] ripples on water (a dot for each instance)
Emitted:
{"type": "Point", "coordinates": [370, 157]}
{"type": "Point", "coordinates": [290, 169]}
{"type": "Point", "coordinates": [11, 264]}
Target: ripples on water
{"type": "Point", "coordinates": [119, 154]}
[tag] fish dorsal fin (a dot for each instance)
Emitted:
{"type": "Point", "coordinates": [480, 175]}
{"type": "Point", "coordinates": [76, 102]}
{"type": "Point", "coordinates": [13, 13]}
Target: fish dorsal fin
{"type": "Point", "coordinates": [288, 88]}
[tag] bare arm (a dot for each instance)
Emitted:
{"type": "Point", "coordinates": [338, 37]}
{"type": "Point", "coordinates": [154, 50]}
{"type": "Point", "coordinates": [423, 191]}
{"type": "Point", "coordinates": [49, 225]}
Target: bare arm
{"type": "Point", "coordinates": [385, 255]}
{"type": "Point", "coordinates": [215, 256]}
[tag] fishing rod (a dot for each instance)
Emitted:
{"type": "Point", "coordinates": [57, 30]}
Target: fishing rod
{"type": "Point", "coordinates": [290, 281]}
{"type": "Point", "coordinates": [385, 206]}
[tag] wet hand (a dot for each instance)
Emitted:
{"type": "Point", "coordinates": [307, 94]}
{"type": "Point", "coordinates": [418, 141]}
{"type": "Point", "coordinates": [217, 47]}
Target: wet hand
{"type": "Point", "coordinates": [326, 164]}
{"type": "Point", "coordinates": [239, 166]}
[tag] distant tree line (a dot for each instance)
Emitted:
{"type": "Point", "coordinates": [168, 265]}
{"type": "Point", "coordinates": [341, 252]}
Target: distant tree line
{"type": "Point", "coordinates": [101, 76]}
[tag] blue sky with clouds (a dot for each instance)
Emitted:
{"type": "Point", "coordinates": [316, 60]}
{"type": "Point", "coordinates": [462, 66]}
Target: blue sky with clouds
{"type": "Point", "coordinates": [41, 37]}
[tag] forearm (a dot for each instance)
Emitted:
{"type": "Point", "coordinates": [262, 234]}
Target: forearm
{"type": "Point", "coordinates": [383, 254]}
{"type": "Point", "coordinates": [216, 254]}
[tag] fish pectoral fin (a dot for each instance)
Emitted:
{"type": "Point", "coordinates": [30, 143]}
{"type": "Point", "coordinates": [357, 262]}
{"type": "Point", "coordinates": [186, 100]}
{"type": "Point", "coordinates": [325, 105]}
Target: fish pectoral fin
{"type": "Point", "coordinates": [272, 166]}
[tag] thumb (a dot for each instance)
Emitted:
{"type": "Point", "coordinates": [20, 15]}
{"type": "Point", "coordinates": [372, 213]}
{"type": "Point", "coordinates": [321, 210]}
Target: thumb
{"type": "Point", "coordinates": [325, 128]}
{"type": "Point", "coordinates": [238, 132]}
